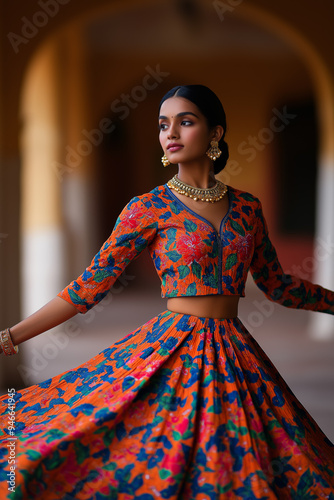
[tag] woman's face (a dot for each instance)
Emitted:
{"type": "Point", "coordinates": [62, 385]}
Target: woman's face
{"type": "Point", "coordinates": [184, 132]}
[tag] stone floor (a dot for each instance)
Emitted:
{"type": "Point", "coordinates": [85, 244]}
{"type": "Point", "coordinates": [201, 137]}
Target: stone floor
{"type": "Point", "coordinates": [306, 364]}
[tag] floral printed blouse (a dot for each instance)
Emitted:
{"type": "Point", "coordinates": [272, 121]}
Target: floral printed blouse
{"type": "Point", "coordinates": [191, 258]}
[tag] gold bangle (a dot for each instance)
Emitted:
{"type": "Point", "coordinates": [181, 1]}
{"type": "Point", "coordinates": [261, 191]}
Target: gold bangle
{"type": "Point", "coordinates": [6, 343]}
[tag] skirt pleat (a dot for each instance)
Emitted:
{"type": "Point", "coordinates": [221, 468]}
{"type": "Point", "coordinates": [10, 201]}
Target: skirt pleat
{"type": "Point", "coordinates": [184, 407]}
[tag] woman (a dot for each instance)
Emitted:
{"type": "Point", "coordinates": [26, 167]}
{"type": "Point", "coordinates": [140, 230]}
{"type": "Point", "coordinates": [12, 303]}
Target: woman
{"type": "Point", "coordinates": [187, 406]}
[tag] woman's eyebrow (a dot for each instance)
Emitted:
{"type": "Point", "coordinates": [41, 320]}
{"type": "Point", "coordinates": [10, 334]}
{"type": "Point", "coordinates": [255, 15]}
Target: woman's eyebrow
{"type": "Point", "coordinates": [162, 117]}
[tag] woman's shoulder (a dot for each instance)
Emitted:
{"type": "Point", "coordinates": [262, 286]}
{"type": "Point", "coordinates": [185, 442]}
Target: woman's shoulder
{"type": "Point", "coordinates": [244, 197]}
{"type": "Point", "coordinates": [149, 199]}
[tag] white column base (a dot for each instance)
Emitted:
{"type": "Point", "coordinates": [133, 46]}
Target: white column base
{"type": "Point", "coordinates": [43, 258]}
{"type": "Point", "coordinates": [321, 325]}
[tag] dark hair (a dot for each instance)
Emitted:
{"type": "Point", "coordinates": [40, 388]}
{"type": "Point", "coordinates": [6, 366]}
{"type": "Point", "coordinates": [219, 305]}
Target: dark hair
{"type": "Point", "coordinates": [211, 107]}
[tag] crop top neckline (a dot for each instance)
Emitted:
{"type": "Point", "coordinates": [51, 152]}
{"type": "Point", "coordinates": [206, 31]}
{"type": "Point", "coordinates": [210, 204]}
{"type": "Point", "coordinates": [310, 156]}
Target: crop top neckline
{"type": "Point", "coordinates": [185, 207]}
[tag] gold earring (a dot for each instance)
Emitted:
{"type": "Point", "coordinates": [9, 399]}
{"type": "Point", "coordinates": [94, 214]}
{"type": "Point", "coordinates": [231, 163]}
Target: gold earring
{"type": "Point", "coordinates": [214, 151]}
{"type": "Point", "coordinates": [165, 161]}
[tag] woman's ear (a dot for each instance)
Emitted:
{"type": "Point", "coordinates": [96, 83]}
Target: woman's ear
{"type": "Point", "coordinates": [217, 133]}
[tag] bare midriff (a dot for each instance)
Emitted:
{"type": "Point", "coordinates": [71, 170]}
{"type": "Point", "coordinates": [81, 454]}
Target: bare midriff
{"type": "Point", "coordinates": [209, 306]}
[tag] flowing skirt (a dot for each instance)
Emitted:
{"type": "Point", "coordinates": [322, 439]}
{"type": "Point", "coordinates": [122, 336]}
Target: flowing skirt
{"type": "Point", "coordinates": [184, 407]}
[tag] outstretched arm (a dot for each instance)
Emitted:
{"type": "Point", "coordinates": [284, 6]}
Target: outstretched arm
{"type": "Point", "coordinates": [135, 228]}
{"type": "Point", "coordinates": [52, 314]}
{"type": "Point", "coordinates": [286, 289]}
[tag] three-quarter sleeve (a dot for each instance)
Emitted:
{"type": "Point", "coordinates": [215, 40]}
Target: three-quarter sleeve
{"type": "Point", "coordinates": [286, 289]}
{"type": "Point", "coordinates": [134, 230]}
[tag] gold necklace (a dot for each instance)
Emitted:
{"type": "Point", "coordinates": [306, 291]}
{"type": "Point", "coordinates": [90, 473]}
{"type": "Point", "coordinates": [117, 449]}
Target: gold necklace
{"type": "Point", "coordinates": [213, 194]}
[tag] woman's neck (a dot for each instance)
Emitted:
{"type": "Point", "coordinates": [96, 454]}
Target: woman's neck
{"type": "Point", "coordinates": [196, 175]}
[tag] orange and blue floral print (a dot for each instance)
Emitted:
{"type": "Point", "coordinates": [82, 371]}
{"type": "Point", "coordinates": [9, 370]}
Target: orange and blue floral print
{"type": "Point", "coordinates": [191, 258]}
{"type": "Point", "coordinates": [183, 408]}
